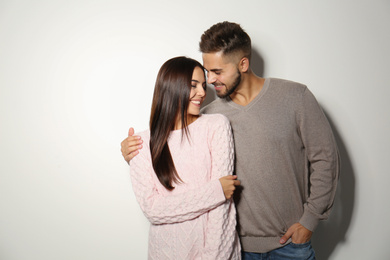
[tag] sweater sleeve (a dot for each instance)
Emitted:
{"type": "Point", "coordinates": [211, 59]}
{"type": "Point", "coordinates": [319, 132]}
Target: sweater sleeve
{"type": "Point", "coordinates": [323, 157]}
{"type": "Point", "coordinates": [221, 237]}
{"type": "Point", "coordinates": [173, 208]}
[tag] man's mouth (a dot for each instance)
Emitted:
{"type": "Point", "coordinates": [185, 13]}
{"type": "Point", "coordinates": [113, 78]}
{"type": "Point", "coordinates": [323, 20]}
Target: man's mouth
{"type": "Point", "coordinates": [218, 87]}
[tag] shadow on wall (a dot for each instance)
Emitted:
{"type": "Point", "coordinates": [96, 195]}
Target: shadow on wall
{"type": "Point", "coordinates": [257, 65]}
{"type": "Point", "coordinates": [333, 231]}
{"type": "Point", "coordinates": [210, 96]}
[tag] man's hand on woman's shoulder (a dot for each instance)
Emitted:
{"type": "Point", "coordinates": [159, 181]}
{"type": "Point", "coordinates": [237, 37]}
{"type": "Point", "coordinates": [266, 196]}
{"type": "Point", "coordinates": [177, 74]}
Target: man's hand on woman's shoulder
{"type": "Point", "coordinates": [130, 145]}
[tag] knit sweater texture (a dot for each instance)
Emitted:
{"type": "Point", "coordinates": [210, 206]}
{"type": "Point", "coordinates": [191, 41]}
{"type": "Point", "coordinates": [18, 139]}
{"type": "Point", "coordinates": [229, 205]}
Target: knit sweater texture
{"type": "Point", "coordinates": [194, 220]}
{"type": "Point", "coordinates": [286, 159]}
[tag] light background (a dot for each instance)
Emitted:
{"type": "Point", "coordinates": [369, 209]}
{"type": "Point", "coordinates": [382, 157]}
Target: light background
{"type": "Point", "coordinates": [75, 75]}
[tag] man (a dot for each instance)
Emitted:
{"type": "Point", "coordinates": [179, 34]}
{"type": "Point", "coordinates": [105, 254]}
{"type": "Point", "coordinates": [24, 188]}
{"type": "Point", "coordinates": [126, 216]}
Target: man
{"type": "Point", "coordinates": [286, 155]}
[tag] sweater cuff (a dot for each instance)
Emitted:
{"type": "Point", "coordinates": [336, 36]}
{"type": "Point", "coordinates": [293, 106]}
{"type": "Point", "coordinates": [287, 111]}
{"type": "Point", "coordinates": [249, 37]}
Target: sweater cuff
{"type": "Point", "coordinates": [309, 221]}
{"type": "Point", "coordinates": [217, 187]}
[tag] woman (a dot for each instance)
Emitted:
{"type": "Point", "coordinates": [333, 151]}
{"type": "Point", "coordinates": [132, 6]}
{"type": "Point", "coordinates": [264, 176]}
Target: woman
{"type": "Point", "coordinates": [178, 177]}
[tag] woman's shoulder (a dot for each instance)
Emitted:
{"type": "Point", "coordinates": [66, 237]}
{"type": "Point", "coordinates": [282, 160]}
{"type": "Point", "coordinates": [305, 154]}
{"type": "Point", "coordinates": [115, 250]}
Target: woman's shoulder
{"type": "Point", "coordinates": [144, 153]}
{"type": "Point", "coordinates": [215, 121]}
{"type": "Point", "coordinates": [215, 118]}
{"type": "Point", "coordinates": [145, 137]}
{"type": "Point", "coordinates": [145, 134]}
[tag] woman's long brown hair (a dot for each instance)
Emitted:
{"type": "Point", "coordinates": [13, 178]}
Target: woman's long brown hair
{"type": "Point", "coordinates": [170, 100]}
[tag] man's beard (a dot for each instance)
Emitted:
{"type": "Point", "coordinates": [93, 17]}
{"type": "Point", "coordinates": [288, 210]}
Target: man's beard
{"type": "Point", "coordinates": [230, 91]}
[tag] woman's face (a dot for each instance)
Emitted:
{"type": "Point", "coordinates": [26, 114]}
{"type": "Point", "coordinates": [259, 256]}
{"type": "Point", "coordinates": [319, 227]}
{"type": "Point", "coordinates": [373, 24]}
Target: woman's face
{"type": "Point", "coordinates": [198, 91]}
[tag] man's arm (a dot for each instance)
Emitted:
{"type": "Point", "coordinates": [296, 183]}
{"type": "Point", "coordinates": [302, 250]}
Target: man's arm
{"type": "Point", "coordinates": [131, 145]}
{"type": "Point", "coordinates": [323, 157]}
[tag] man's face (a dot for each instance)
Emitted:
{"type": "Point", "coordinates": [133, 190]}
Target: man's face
{"type": "Point", "coordinates": [222, 73]}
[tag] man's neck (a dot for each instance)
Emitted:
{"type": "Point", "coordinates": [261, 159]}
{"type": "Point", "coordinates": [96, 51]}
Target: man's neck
{"type": "Point", "coordinates": [250, 86]}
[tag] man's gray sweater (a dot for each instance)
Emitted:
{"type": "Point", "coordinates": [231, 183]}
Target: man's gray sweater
{"type": "Point", "coordinates": [286, 159]}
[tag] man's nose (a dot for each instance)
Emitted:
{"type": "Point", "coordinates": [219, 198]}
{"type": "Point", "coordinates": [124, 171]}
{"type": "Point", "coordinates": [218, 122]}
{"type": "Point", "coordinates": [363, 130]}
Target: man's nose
{"type": "Point", "coordinates": [210, 78]}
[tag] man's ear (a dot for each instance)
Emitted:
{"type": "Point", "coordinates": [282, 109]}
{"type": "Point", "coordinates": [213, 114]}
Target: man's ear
{"type": "Point", "coordinates": [244, 64]}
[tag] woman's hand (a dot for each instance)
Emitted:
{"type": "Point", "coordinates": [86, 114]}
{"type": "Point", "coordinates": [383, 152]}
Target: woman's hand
{"type": "Point", "coordinates": [229, 184]}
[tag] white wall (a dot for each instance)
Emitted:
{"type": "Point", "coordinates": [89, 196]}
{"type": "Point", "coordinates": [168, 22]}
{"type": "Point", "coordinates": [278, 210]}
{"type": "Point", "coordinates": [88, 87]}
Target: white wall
{"type": "Point", "coordinates": [75, 75]}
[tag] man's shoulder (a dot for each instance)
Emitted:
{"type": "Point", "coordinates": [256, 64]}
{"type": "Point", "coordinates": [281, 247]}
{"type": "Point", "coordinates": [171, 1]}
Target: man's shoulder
{"type": "Point", "coordinates": [217, 106]}
{"type": "Point", "coordinates": [288, 84]}
{"type": "Point", "coordinates": [287, 88]}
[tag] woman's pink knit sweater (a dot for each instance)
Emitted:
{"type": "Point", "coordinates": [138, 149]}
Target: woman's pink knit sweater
{"type": "Point", "coordinates": [194, 221]}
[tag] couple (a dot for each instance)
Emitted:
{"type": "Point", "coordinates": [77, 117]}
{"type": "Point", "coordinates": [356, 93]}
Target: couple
{"type": "Point", "coordinates": [286, 159]}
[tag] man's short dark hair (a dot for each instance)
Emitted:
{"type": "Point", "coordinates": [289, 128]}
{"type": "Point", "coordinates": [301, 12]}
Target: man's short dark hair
{"type": "Point", "coordinates": [227, 37]}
